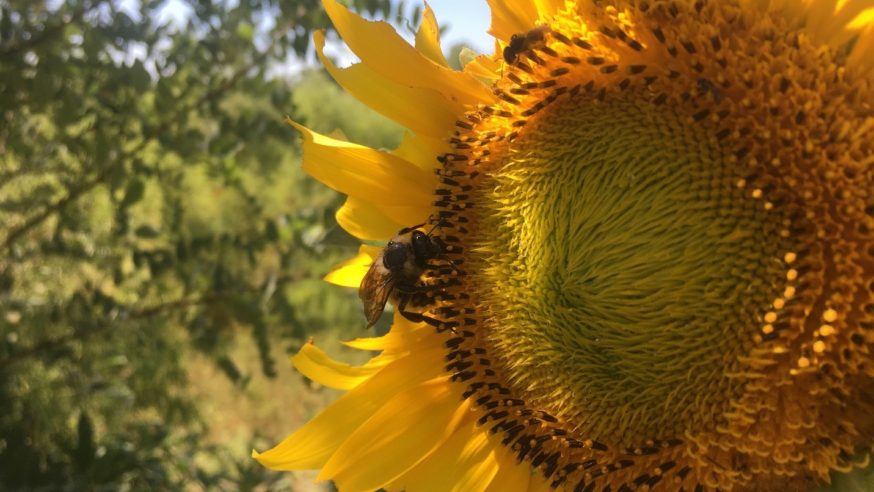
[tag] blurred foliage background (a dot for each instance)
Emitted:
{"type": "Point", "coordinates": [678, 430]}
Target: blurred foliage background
{"type": "Point", "coordinates": [162, 250]}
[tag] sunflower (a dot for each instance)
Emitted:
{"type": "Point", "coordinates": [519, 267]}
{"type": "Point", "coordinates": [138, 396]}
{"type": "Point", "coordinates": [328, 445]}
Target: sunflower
{"type": "Point", "coordinates": [657, 268]}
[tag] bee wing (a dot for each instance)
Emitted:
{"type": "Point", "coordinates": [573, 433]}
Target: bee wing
{"type": "Point", "coordinates": [375, 290]}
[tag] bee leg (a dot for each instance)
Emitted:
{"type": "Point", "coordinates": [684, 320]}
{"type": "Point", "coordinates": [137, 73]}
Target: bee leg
{"type": "Point", "coordinates": [441, 326]}
{"type": "Point", "coordinates": [410, 315]}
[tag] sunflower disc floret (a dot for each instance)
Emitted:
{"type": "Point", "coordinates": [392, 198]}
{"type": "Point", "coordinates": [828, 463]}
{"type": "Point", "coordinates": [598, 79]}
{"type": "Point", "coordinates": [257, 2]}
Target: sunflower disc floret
{"type": "Point", "coordinates": [662, 230]}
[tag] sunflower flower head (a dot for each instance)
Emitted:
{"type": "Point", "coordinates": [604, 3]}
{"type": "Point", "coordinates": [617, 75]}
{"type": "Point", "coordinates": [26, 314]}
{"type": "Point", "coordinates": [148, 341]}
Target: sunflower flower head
{"type": "Point", "coordinates": [656, 222]}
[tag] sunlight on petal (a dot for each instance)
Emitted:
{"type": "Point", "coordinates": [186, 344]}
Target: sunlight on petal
{"type": "Point", "coordinates": [382, 48]}
{"type": "Point", "coordinates": [428, 37]}
{"type": "Point", "coordinates": [465, 462]}
{"type": "Point", "coordinates": [350, 272]}
{"type": "Point", "coordinates": [397, 436]}
{"type": "Point", "coordinates": [356, 170]}
{"type": "Point", "coordinates": [510, 476]}
{"type": "Point", "coordinates": [311, 445]}
{"type": "Point", "coordinates": [510, 17]}
{"type": "Point", "coordinates": [421, 110]}
{"type": "Point", "coordinates": [366, 221]}
{"type": "Point", "coordinates": [404, 336]}
{"type": "Point", "coordinates": [313, 363]}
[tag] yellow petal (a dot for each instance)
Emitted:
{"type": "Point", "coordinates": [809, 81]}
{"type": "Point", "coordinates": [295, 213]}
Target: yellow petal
{"type": "Point", "coordinates": [311, 445]}
{"type": "Point", "coordinates": [366, 221]}
{"type": "Point", "coordinates": [466, 462]}
{"type": "Point", "coordinates": [428, 38]}
{"type": "Point", "coordinates": [538, 484]}
{"type": "Point", "coordinates": [485, 68]}
{"type": "Point", "coordinates": [422, 110]}
{"type": "Point", "coordinates": [403, 336]}
{"type": "Point", "coordinates": [546, 8]}
{"type": "Point", "coordinates": [834, 21]}
{"type": "Point", "coordinates": [316, 365]}
{"type": "Point", "coordinates": [512, 475]}
{"type": "Point", "coordinates": [863, 49]}
{"type": "Point", "coordinates": [421, 151]}
{"type": "Point", "coordinates": [511, 17]}
{"type": "Point", "coordinates": [864, 19]}
{"type": "Point", "coordinates": [350, 272]}
{"type": "Point", "coordinates": [518, 16]}
{"type": "Point", "coordinates": [401, 341]}
{"type": "Point", "coordinates": [400, 434]}
{"type": "Point", "coordinates": [863, 52]}
{"type": "Point", "coordinates": [406, 215]}
{"type": "Point", "coordinates": [362, 172]}
{"type": "Point", "coordinates": [386, 52]}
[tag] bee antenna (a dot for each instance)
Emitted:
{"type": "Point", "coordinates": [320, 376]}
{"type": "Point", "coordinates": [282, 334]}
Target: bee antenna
{"type": "Point", "coordinates": [436, 225]}
{"type": "Point", "coordinates": [451, 263]}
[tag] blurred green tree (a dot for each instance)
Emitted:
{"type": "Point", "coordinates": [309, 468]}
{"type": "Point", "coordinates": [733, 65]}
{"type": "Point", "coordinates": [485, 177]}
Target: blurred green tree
{"type": "Point", "coordinates": [151, 202]}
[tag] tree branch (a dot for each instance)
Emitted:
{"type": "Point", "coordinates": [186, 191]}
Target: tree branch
{"type": "Point", "coordinates": [136, 314]}
{"type": "Point", "coordinates": [73, 194]}
{"type": "Point", "coordinates": [77, 191]}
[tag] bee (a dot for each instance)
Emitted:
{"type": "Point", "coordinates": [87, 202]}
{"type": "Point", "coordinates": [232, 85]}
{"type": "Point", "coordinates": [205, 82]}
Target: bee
{"type": "Point", "coordinates": [396, 272]}
{"type": "Point", "coordinates": [522, 42]}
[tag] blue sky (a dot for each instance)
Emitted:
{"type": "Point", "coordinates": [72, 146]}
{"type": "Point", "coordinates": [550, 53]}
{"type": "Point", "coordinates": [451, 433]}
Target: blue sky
{"type": "Point", "coordinates": [468, 21]}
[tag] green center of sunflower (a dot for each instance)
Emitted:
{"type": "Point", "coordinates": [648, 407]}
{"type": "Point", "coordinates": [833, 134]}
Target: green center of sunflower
{"type": "Point", "coordinates": [621, 269]}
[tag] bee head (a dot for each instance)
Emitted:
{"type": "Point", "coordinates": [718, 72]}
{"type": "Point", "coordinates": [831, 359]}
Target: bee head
{"type": "Point", "coordinates": [509, 55]}
{"type": "Point", "coordinates": [511, 51]}
{"type": "Point", "coordinates": [517, 42]}
{"type": "Point", "coordinates": [424, 248]}
{"type": "Point", "coordinates": [395, 255]}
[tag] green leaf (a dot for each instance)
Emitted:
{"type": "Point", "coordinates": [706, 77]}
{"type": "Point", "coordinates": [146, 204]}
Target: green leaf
{"type": "Point", "coordinates": [466, 55]}
{"type": "Point", "coordinates": [271, 232]}
{"type": "Point", "coordinates": [5, 24]}
{"type": "Point", "coordinates": [133, 192]}
{"type": "Point", "coordinates": [246, 31]}
{"type": "Point", "coordinates": [139, 77]}
{"type": "Point", "coordinates": [861, 480]}
{"type": "Point", "coordinates": [147, 231]}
